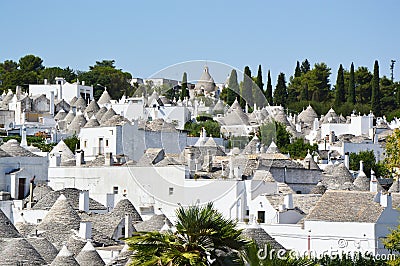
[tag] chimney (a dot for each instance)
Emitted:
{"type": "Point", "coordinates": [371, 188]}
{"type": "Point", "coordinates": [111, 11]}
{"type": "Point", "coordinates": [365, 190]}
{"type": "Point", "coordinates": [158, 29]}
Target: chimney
{"type": "Point", "coordinates": [24, 143]}
{"type": "Point", "coordinates": [83, 83]}
{"type": "Point", "coordinates": [52, 102]}
{"type": "Point", "coordinates": [84, 200]}
{"type": "Point", "coordinates": [45, 82]}
{"type": "Point", "coordinates": [386, 200]}
{"type": "Point", "coordinates": [288, 201]}
{"type": "Point", "coordinates": [110, 201]}
{"type": "Point", "coordinates": [190, 161]}
{"type": "Point", "coordinates": [373, 184]}
{"type": "Point", "coordinates": [55, 160]}
{"type": "Point", "coordinates": [85, 230]}
{"type": "Point", "coordinates": [128, 225]}
{"type": "Point", "coordinates": [80, 157]}
{"type": "Point", "coordinates": [208, 161]}
{"type": "Point", "coordinates": [361, 172]}
{"type": "Point", "coordinates": [108, 159]}
{"type": "Point", "coordinates": [347, 160]}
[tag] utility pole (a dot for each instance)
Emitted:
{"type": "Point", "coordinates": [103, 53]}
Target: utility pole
{"type": "Point", "coordinates": [392, 68]}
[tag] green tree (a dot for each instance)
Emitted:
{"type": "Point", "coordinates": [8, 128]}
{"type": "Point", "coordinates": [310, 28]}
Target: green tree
{"type": "Point", "coordinates": [363, 79]}
{"type": "Point", "coordinates": [72, 143]}
{"type": "Point", "coordinates": [280, 93]}
{"type": "Point", "coordinates": [375, 96]}
{"type": "Point", "coordinates": [30, 63]}
{"type": "Point", "coordinates": [233, 88]}
{"type": "Point", "coordinates": [247, 88]}
{"type": "Point", "coordinates": [297, 71]}
{"type": "Point", "coordinates": [392, 159]}
{"type": "Point", "coordinates": [212, 127]}
{"type": "Point", "coordinates": [202, 233]}
{"type": "Point", "coordinates": [304, 93]}
{"type": "Point", "coordinates": [105, 74]}
{"type": "Point", "coordinates": [351, 95]}
{"type": "Point", "coordinates": [50, 73]}
{"type": "Point", "coordinates": [305, 66]}
{"type": "Point", "coordinates": [340, 95]}
{"type": "Point", "coordinates": [369, 162]}
{"type": "Point", "coordinates": [184, 87]}
{"type": "Point", "coordinates": [258, 89]}
{"type": "Point", "coordinates": [268, 90]}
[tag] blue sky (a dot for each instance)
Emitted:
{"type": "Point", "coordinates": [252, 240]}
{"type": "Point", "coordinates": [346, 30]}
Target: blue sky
{"type": "Point", "coordinates": [147, 36]}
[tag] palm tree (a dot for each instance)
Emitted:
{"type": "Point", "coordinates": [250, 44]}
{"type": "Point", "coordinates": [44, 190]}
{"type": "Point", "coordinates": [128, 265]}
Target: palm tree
{"type": "Point", "coordinates": [202, 237]}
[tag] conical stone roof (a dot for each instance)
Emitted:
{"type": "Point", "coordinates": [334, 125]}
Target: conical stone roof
{"type": "Point", "coordinates": [110, 113]}
{"type": "Point", "coordinates": [7, 229]}
{"type": "Point", "coordinates": [206, 82]}
{"type": "Point", "coordinates": [273, 149]}
{"type": "Point", "coordinates": [89, 256]}
{"type": "Point", "coordinates": [13, 148]}
{"type": "Point", "coordinates": [93, 122]}
{"type": "Point", "coordinates": [235, 115]}
{"type": "Point", "coordinates": [100, 113]}
{"type": "Point", "coordinates": [92, 108]}
{"type": "Point", "coordinates": [125, 206]}
{"type": "Point", "coordinates": [104, 98]}
{"type": "Point", "coordinates": [210, 142]}
{"type": "Point", "coordinates": [64, 258]}
{"type": "Point", "coordinates": [75, 244]}
{"type": "Point", "coordinates": [63, 149]}
{"type": "Point", "coordinates": [155, 223]}
{"type": "Point", "coordinates": [18, 251]}
{"type": "Point", "coordinates": [60, 115]}
{"type": "Point", "coordinates": [309, 162]}
{"type": "Point", "coordinates": [308, 115]}
{"type": "Point", "coordinates": [219, 107]}
{"type": "Point", "coordinates": [44, 247]}
{"type": "Point", "coordinates": [59, 222]}
{"type": "Point", "coordinates": [262, 238]}
{"type": "Point", "coordinates": [69, 117]}
{"type": "Point", "coordinates": [73, 100]}
{"type": "Point", "coordinates": [253, 146]}
{"type": "Point", "coordinates": [80, 104]}
{"type": "Point", "coordinates": [76, 124]}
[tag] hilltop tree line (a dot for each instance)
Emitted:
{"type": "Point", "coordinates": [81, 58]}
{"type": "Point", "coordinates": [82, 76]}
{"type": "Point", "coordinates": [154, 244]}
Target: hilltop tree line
{"type": "Point", "coordinates": [354, 89]}
{"type": "Point", "coordinates": [30, 70]}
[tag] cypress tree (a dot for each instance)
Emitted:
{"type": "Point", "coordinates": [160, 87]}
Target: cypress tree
{"type": "Point", "coordinates": [340, 96]}
{"type": "Point", "coordinates": [351, 95]}
{"type": "Point", "coordinates": [375, 98]}
{"type": "Point", "coordinates": [184, 87]}
{"type": "Point", "coordinates": [297, 71]}
{"type": "Point", "coordinates": [247, 88]}
{"type": "Point", "coordinates": [305, 66]}
{"type": "Point", "coordinates": [268, 90]}
{"type": "Point", "coordinates": [258, 89]}
{"type": "Point", "coordinates": [233, 87]}
{"type": "Point", "coordinates": [259, 82]}
{"type": "Point", "coordinates": [280, 93]}
{"type": "Point", "coordinates": [304, 93]}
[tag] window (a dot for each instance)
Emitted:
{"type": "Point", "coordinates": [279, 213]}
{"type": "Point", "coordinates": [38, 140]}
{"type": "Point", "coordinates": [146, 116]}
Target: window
{"type": "Point", "coordinates": [247, 212]}
{"type": "Point", "coordinates": [298, 192]}
{"type": "Point", "coordinates": [38, 221]}
{"type": "Point", "coordinates": [85, 144]}
{"type": "Point", "coordinates": [115, 190]}
{"type": "Point", "coordinates": [171, 191]}
{"type": "Point", "coordinates": [106, 142]}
